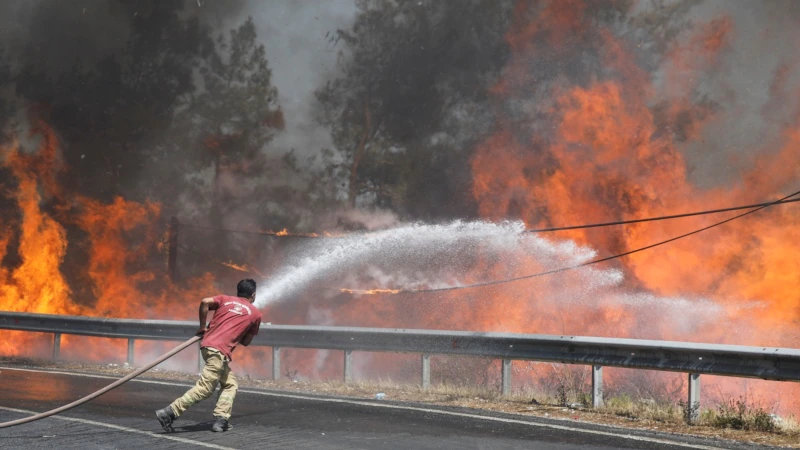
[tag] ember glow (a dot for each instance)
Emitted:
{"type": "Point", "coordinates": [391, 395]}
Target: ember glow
{"type": "Point", "coordinates": [370, 291]}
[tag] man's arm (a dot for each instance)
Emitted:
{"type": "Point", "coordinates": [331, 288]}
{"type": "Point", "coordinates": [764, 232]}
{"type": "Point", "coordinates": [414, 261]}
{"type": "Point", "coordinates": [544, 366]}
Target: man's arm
{"type": "Point", "coordinates": [251, 333]}
{"type": "Point", "coordinates": [205, 305]}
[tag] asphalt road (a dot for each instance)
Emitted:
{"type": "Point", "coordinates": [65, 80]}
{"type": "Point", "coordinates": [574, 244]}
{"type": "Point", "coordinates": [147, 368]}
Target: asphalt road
{"type": "Point", "coordinates": [124, 419]}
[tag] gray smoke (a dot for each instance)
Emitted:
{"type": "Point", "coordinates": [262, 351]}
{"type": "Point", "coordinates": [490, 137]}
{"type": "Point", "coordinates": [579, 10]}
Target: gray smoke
{"type": "Point", "coordinates": [297, 36]}
{"type": "Point", "coordinates": [754, 86]}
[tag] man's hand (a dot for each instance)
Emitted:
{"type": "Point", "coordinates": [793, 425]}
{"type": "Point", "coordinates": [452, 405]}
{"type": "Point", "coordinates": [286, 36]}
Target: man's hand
{"type": "Point", "coordinates": [201, 331]}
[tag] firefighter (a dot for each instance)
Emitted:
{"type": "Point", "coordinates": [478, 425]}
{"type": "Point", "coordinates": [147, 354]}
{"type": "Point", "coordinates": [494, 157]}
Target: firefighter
{"type": "Point", "coordinates": [236, 321]}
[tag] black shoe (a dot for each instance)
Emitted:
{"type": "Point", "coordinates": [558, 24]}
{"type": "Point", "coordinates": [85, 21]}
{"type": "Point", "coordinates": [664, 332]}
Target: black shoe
{"type": "Point", "coordinates": [221, 424]}
{"type": "Point", "coordinates": [166, 416]}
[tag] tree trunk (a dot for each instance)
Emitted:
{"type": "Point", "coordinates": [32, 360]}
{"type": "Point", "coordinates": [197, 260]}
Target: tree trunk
{"type": "Point", "coordinates": [357, 155]}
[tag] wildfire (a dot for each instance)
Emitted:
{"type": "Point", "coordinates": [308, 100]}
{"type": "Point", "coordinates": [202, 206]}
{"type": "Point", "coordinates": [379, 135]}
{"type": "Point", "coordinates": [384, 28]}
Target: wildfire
{"type": "Point", "coordinates": [605, 145]}
{"type": "Point", "coordinates": [585, 133]}
{"type": "Point", "coordinates": [112, 279]}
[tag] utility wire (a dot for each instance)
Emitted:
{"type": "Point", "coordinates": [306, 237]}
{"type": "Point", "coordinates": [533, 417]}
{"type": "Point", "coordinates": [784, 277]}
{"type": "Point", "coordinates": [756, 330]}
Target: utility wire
{"type": "Point", "coordinates": [674, 216]}
{"type": "Point", "coordinates": [588, 263]}
{"type": "Point", "coordinates": [284, 233]}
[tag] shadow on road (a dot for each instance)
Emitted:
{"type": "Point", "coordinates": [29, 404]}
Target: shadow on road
{"type": "Point", "coordinates": [203, 426]}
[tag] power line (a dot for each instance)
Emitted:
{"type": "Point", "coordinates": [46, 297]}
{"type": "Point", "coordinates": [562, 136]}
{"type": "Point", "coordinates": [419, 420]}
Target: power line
{"type": "Point", "coordinates": [284, 233]}
{"type": "Point", "coordinates": [674, 216]}
{"type": "Point", "coordinates": [595, 261]}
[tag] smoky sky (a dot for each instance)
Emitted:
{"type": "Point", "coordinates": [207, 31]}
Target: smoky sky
{"type": "Point", "coordinates": [55, 34]}
{"type": "Point", "coordinates": [751, 114]}
{"type": "Point", "coordinates": [297, 35]}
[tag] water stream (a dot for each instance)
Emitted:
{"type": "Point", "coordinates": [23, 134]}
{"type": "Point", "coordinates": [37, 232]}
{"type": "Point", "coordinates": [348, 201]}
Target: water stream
{"type": "Point", "coordinates": [418, 255]}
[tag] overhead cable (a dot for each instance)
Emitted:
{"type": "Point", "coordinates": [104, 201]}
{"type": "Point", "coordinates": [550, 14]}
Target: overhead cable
{"type": "Point", "coordinates": [577, 266]}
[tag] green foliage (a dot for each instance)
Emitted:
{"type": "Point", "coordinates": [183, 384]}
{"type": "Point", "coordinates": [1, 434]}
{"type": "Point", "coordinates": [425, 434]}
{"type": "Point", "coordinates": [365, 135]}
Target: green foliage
{"type": "Point", "coordinates": [739, 415]}
{"type": "Point", "coordinates": [690, 411]}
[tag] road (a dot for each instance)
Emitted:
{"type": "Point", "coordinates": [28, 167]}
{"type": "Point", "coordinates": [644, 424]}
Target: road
{"type": "Point", "coordinates": [124, 419]}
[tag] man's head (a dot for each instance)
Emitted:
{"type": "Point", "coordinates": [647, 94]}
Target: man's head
{"type": "Point", "coordinates": [246, 289]}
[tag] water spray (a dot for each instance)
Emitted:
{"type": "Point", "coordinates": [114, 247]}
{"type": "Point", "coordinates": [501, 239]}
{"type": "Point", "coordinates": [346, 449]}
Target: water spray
{"type": "Point", "coordinates": [755, 208]}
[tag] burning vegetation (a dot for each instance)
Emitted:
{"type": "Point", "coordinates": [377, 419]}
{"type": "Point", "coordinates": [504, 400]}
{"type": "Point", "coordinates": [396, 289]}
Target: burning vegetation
{"type": "Point", "coordinates": [541, 113]}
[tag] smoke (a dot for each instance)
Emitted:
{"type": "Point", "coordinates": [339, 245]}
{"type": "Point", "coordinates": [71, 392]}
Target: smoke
{"type": "Point", "coordinates": [752, 83]}
{"type": "Point", "coordinates": [56, 35]}
{"type": "Point", "coordinates": [303, 57]}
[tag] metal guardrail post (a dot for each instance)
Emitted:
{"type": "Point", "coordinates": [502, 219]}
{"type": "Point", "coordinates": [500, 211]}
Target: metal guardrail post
{"type": "Point", "coordinates": [130, 350]}
{"type": "Point", "coordinates": [276, 363]}
{"type": "Point", "coordinates": [426, 372]}
{"type": "Point", "coordinates": [597, 386]}
{"type": "Point", "coordinates": [506, 375]}
{"type": "Point", "coordinates": [348, 366]}
{"type": "Point", "coordinates": [56, 346]}
{"type": "Point", "coordinates": [693, 408]}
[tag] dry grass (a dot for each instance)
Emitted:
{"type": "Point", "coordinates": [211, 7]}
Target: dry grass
{"type": "Point", "coordinates": [558, 401]}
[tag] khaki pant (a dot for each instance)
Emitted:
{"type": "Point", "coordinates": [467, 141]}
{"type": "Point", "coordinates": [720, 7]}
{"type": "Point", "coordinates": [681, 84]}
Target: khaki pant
{"type": "Point", "coordinates": [215, 371]}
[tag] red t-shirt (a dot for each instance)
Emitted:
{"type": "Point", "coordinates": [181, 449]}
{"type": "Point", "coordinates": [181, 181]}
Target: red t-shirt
{"type": "Point", "coordinates": [233, 319]}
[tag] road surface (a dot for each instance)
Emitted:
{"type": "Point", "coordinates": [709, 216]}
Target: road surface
{"type": "Point", "coordinates": [124, 419]}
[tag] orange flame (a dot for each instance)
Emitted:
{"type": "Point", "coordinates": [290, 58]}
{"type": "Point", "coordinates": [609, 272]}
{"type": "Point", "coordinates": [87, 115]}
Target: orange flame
{"type": "Point", "coordinates": [605, 147]}
{"type": "Point", "coordinates": [369, 291]}
{"type": "Point", "coordinates": [120, 236]}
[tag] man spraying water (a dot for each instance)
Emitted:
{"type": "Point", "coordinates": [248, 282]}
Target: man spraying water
{"type": "Point", "coordinates": [235, 321]}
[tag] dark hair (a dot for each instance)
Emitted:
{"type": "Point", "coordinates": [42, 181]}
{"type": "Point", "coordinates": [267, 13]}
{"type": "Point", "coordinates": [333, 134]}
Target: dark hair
{"type": "Point", "coordinates": [246, 288]}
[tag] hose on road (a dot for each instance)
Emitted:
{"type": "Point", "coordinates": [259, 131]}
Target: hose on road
{"type": "Point", "coordinates": [111, 386]}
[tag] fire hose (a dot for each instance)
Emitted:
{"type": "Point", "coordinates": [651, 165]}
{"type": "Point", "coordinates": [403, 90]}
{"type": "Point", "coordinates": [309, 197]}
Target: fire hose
{"type": "Point", "coordinates": [111, 386]}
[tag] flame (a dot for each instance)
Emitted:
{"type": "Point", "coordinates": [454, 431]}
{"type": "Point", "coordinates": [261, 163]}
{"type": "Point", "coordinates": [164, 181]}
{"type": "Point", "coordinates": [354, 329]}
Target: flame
{"type": "Point", "coordinates": [243, 268]}
{"type": "Point", "coordinates": [119, 238]}
{"type": "Point", "coordinates": [604, 156]}
{"type": "Point", "coordinates": [370, 291]}
{"type": "Point", "coordinates": [286, 233]}
{"type": "Point", "coordinates": [606, 159]}
{"type": "Point", "coordinates": [607, 145]}
{"type": "Point", "coordinates": [42, 242]}
{"type": "Point", "coordinates": [239, 267]}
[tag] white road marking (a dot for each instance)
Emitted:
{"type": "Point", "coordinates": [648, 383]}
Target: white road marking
{"type": "Point", "coordinates": [126, 429]}
{"type": "Point", "coordinates": [409, 408]}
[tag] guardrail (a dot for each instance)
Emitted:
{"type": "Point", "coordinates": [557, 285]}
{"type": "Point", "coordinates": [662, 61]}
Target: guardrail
{"type": "Point", "coordinates": [694, 359]}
